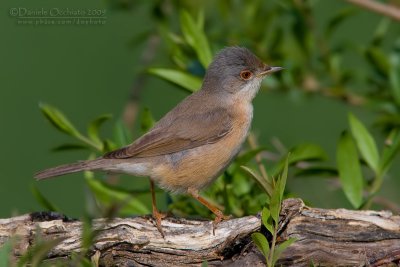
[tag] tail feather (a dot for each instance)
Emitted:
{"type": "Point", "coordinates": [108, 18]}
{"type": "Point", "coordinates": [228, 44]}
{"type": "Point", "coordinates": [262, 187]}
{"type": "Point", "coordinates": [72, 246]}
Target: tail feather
{"type": "Point", "coordinates": [68, 168]}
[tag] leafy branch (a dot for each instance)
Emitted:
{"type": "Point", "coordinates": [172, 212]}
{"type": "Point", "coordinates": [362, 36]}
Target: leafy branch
{"type": "Point", "coordinates": [361, 143]}
{"type": "Point", "coordinates": [270, 216]}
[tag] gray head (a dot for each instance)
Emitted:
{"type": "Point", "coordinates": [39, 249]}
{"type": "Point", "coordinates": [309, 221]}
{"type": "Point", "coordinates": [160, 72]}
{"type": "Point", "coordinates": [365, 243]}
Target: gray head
{"type": "Point", "coordinates": [236, 70]}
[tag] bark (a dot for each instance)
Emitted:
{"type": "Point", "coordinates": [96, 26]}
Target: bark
{"type": "Point", "coordinates": [324, 237]}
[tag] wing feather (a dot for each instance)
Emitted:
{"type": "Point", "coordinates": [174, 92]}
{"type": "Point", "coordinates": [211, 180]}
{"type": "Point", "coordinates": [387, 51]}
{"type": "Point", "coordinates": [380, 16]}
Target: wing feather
{"type": "Point", "coordinates": [181, 133]}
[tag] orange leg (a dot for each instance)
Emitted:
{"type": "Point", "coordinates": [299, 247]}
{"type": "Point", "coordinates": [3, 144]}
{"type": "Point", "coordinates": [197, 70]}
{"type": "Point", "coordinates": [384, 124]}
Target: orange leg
{"type": "Point", "coordinates": [219, 214]}
{"type": "Point", "coordinates": [158, 216]}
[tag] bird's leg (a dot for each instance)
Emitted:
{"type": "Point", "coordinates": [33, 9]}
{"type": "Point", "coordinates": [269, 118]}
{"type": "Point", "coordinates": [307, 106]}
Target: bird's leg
{"type": "Point", "coordinates": [219, 214]}
{"type": "Point", "coordinates": [158, 216]}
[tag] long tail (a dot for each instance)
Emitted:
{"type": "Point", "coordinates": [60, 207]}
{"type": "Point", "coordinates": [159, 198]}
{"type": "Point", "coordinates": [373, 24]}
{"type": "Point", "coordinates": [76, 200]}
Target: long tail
{"type": "Point", "coordinates": [70, 168]}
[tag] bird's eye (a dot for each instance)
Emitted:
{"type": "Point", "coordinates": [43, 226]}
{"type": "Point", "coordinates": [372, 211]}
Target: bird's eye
{"type": "Point", "coordinates": [246, 74]}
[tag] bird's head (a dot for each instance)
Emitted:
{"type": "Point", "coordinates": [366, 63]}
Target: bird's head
{"type": "Point", "coordinates": [236, 70]}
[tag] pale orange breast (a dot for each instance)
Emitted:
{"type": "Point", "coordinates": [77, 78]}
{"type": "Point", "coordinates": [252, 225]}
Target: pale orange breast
{"type": "Point", "coordinates": [199, 166]}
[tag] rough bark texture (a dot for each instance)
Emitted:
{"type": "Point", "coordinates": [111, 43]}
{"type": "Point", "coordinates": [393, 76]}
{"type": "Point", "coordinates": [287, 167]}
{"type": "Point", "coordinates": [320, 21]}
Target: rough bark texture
{"type": "Point", "coordinates": [324, 237]}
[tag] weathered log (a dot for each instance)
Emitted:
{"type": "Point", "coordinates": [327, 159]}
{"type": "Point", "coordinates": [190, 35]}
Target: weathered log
{"type": "Point", "coordinates": [342, 238]}
{"type": "Point", "coordinates": [324, 237]}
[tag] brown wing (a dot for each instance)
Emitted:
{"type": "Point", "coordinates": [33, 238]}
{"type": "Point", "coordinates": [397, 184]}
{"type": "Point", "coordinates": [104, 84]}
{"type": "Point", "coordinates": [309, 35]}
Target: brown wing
{"type": "Point", "coordinates": [182, 133]}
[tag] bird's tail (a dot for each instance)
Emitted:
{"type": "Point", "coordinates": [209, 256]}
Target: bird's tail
{"type": "Point", "coordinates": [69, 168]}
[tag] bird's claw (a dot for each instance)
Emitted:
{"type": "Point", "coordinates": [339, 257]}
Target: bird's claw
{"type": "Point", "coordinates": [219, 218]}
{"type": "Point", "coordinates": [158, 216]}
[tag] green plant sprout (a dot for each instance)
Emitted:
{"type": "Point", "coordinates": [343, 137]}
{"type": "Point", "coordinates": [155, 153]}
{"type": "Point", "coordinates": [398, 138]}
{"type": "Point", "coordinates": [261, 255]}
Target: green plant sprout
{"type": "Point", "coordinates": [270, 216]}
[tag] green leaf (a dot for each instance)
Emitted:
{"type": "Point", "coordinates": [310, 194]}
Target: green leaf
{"type": "Point", "coordinates": [122, 135]}
{"type": "Point", "coordinates": [5, 253]}
{"type": "Point", "coordinates": [283, 178]}
{"type": "Point", "coordinates": [176, 39]}
{"type": "Point", "coordinates": [42, 200]}
{"type": "Point", "coordinates": [378, 60]}
{"type": "Point", "coordinates": [248, 155]}
{"type": "Point", "coordinates": [277, 194]}
{"type": "Point", "coordinates": [183, 79]}
{"type": "Point", "coordinates": [261, 242]}
{"type": "Point", "coordinates": [78, 260]}
{"type": "Point", "coordinates": [319, 171]}
{"type": "Point", "coordinates": [275, 204]}
{"type": "Point", "coordinates": [308, 152]}
{"type": "Point", "coordinates": [38, 251]}
{"type": "Point", "coordinates": [302, 152]}
{"type": "Point", "coordinates": [279, 249]}
{"type": "Point", "coordinates": [88, 233]}
{"type": "Point", "coordinates": [349, 169]}
{"type": "Point", "coordinates": [94, 127]}
{"type": "Point", "coordinates": [110, 196]}
{"type": "Point", "coordinates": [147, 121]}
{"type": "Point", "coordinates": [338, 19]}
{"type": "Point", "coordinates": [390, 150]}
{"type": "Point", "coordinates": [240, 184]}
{"type": "Point", "coordinates": [265, 216]}
{"type": "Point", "coordinates": [194, 35]}
{"type": "Point", "coordinates": [262, 182]}
{"type": "Point", "coordinates": [381, 32]}
{"type": "Point", "coordinates": [108, 145]}
{"type": "Point", "coordinates": [58, 119]}
{"type": "Point", "coordinates": [394, 77]}
{"type": "Point", "coordinates": [365, 143]}
{"type": "Point", "coordinates": [200, 20]}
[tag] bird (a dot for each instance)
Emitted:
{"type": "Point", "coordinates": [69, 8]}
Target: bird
{"type": "Point", "coordinates": [188, 148]}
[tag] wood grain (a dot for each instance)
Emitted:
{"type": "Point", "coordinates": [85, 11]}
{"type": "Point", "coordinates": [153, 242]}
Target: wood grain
{"type": "Point", "coordinates": [325, 237]}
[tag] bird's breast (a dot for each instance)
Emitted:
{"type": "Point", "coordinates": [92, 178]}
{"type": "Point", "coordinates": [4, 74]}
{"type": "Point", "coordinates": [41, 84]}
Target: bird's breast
{"type": "Point", "coordinates": [198, 167]}
{"type": "Point", "coordinates": [242, 117]}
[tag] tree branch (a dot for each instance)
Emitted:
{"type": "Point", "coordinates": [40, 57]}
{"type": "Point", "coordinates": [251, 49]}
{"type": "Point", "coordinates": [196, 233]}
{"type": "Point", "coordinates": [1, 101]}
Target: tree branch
{"type": "Point", "coordinates": [378, 7]}
{"type": "Point", "coordinates": [324, 237]}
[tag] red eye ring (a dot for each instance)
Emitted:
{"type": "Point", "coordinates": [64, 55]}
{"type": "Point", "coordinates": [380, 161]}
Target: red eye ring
{"type": "Point", "coordinates": [246, 74]}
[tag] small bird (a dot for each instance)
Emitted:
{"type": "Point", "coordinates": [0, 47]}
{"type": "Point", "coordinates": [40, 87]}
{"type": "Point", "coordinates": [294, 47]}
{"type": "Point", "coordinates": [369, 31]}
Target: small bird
{"type": "Point", "coordinates": [194, 143]}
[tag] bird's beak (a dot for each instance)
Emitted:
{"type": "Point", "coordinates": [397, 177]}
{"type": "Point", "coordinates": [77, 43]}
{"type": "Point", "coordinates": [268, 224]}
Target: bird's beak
{"type": "Point", "coordinates": [269, 70]}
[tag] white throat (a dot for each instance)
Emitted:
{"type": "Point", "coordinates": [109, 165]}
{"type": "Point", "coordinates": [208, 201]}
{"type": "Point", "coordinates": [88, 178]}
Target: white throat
{"type": "Point", "coordinates": [249, 91]}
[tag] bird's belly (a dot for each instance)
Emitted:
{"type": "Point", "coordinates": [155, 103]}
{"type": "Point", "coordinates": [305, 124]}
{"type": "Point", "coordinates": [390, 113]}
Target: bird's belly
{"type": "Point", "coordinates": [198, 167]}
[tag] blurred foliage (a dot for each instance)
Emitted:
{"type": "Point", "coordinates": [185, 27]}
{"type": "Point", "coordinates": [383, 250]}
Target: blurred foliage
{"type": "Point", "coordinates": [316, 63]}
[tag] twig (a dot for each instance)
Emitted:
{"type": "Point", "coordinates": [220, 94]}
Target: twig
{"type": "Point", "coordinates": [378, 7]}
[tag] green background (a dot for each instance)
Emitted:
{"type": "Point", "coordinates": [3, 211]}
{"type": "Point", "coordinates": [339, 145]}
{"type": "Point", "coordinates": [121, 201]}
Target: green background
{"type": "Point", "coordinates": [89, 70]}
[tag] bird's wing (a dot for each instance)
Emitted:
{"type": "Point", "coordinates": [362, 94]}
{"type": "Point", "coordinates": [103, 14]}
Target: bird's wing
{"type": "Point", "coordinates": [181, 133]}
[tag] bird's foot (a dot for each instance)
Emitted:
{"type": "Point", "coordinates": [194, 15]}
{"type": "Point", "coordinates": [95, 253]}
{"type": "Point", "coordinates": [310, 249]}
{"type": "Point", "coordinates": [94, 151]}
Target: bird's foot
{"type": "Point", "coordinates": [219, 218]}
{"type": "Point", "coordinates": [158, 216]}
